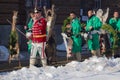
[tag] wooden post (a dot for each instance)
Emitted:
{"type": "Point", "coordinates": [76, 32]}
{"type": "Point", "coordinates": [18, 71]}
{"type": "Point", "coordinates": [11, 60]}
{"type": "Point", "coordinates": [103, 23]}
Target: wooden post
{"type": "Point", "coordinates": [51, 18]}
{"type": "Point", "coordinates": [13, 42]}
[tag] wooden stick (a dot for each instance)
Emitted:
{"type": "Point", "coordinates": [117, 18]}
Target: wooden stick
{"type": "Point", "coordinates": [16, 28]}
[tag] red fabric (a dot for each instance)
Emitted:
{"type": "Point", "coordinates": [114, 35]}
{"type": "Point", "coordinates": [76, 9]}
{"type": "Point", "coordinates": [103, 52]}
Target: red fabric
{"type": "Point", "coordinates": [39, 29]}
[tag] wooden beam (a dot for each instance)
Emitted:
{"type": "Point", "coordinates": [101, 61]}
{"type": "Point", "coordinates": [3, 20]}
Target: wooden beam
{"type": "Point", "coordinates": [9, 1]}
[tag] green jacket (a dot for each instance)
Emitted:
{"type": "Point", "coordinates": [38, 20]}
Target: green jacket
{"type": "Point", "coordinates": [76, 37]}
{"type": "Point", "coordinates": [29, 25]}
{"type": "Point", "coordinates": [95, 23]}
{"type": "Point", "coordinates": [115, 23]}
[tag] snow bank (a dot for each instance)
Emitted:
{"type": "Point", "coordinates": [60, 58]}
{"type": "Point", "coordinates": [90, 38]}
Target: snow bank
{"type": "Point", "coordinates": [92, 69]}
{"type": "Point", "coordinates": [4, 53]}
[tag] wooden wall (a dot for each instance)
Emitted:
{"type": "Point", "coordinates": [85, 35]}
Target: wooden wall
{"type": "Point", "coordinates": [64, 7]}
{"type": "Point", "coordinates": [8, 6]}
{"type": "Point", "coordinates": [114, 5]}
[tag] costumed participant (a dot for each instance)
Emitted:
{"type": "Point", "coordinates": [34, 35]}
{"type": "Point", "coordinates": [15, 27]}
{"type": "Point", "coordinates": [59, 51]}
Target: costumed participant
{"type": "Point", "coordinates": [92, 27]}
{"type": "Point", "coordinates": [69, 40]}
{"type": "Point", "coordinates": [28, 29]}
{"type": "Point", "coordinates": [76, 37]}
{"type": "Point", "coordinates": [38, 38]}
{"type": "Point", "coordinates": [115, 23]}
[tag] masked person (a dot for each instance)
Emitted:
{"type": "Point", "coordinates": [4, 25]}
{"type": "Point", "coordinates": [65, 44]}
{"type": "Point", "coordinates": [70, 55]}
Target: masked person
{"type": "Point", "coordinates": [92, 26]}
{"type": "Point", "coordinates": [38, 38]}
{"type": "Point", "coordinates": [76, 37]}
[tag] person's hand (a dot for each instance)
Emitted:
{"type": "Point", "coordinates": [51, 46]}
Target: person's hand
{"type": "Point", "coordinates": [84, 27]}
{"type": "Point", "coordinates": [25, 27]}
{"type": "Point", "coordinates": [91, 28]}
{"type": "Point", "coordinates": [29, 35]}
{"type": "Point", "coordinates": [28, 42]}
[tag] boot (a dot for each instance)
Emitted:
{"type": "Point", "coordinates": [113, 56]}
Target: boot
{"type": "Point", "coordinates": [78, 56]}
{"type": "Point", "coordinates": [32, 61]}
{"type": "Point", "coordinates": [98, 53]}
{"type": "Point", "coordinates": [93, 52]}
{"type": "Point", "coordinates": [44, 62]}
{"type": "Point", "coordinates": [38, 62]}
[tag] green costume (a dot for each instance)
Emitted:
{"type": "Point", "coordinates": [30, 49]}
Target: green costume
{"type": "Point", "coordinates": [30, 24]}
{"type": "Point", "coordinates": [115, 23]}
{"type": "Point", "coordinates": [95, 23]}
{"type": "Point", "coordinates": [76, 37]}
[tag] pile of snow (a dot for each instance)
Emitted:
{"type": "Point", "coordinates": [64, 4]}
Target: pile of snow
{"type": "Point", "coordinates": [4, 53]}
{"type": "Point", "coordinates": [91, 69]}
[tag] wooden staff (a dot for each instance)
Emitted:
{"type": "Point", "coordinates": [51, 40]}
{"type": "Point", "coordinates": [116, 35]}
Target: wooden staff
{"type": "Point", "coordinates": [16, 28]}
{"type": "Point", "coordinates": [13, 43]}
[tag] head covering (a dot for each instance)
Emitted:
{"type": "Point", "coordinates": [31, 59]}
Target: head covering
{"type": "Point", "coordinates": [36, 10]}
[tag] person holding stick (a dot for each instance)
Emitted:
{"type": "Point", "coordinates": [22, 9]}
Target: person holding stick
{"type": "Point", "coordinates": [38, 38]}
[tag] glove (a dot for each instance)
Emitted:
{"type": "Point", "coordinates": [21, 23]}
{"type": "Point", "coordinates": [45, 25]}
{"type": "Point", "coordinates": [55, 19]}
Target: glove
{"type": "Point", "coordinates": [89, 35]}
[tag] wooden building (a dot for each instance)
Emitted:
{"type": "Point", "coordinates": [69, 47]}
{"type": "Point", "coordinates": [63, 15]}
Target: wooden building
{"type": "Point", "coordinates": [63, 8]}
{"type": "Point", "coordinates": [22, 6]}
{"type": "Point", "coordinates": [81, 7]}
{"type": "Point", "coordinates": [8, 6]}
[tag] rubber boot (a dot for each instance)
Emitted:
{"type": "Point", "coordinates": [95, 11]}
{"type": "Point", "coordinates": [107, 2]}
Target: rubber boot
{"type": "Point", "coordinates": [98, 53]}
{"type": "Point", "coordinates": [93, 52]}
{"type": "Point", "coordinates": [32, 61]}
{"type": "Point", "coordinates": [44, 62]}
{"type": "Point", "coordinates": [78, 56]}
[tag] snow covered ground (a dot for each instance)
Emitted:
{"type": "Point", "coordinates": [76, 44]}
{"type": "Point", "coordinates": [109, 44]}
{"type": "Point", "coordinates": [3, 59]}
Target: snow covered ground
{"type": "Point", "coordinates": [91, 69]}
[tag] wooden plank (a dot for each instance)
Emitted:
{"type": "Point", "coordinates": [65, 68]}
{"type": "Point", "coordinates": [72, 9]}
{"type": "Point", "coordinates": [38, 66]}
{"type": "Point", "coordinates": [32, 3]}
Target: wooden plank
{"type": "Point", "coordinates": [64, 2]}
{"type": "Point", "coordinates": [63, 8]}
{"type": "Point", "coordinates": [8, 8]}
{"type": "Point", "coordinates": [9, 1]}
{"type": "Point", "coordinates": [4, 17]}
{"type": "Point", "coordinates": [14, 65]}
{"type": "Point", "coordinates": [22, 19]}
{"type": "Point", "coordinates": [67, 4]}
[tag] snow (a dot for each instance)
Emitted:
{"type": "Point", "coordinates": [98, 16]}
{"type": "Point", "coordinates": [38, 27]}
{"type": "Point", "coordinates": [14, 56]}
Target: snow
{"type": "Point", "coordinates": [90, 69]}
{"type": "Point", "coordinates": [4, 53]}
